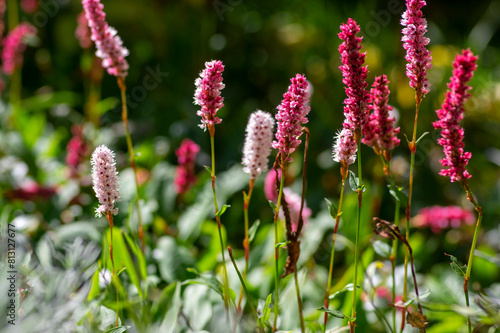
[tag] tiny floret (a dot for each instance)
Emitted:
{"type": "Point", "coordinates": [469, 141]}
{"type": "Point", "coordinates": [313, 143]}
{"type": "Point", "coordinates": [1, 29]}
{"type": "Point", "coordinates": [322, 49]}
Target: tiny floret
{"type": "Point", "coordinates": [105, 180]}
{"type": "Point", "coordinates": [259, 134]}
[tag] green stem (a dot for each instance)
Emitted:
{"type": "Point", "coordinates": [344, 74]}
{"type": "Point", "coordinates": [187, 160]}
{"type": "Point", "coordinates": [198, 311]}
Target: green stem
{"type": "Point", "coordinates": [114, 277]}
{"type": "Point", "coordinates": [121, 84]}
{"type": "Point", "coordinates": [242, 281]}
{"type": "Point", "coordinates": [13, 14]}
{"type": "Point", "coordinates": [393, 265]}
{"type": "Point", "coordinates": [332, 254]}
{"type": "Point", "coordinates": [479, 210]}
{"type": "Point", "coordinates": [413, 148]}
{"type": "Point", "coordinates": [276, 249]}
{"type": "Point", "coordinates": [358, 224]}
{"type": "Point", "coordinates": [219, 226]}
{"type": "Point", "coordinates": [246, 241]}
{"type": "Point", "coordinates": [299, 301]}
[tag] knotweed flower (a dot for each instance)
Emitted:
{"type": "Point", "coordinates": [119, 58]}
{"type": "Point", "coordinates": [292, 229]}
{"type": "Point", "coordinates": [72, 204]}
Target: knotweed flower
{"type": "Point", "coordinates": [76, 150]}
{"type": "Point", "coordinates": [270, 188]}
{"type": "Point", "coordinates": [344, 149]}
{"type": "Point", "coordinates": [356, 103]}
{"type": "Point", "coordinates": [418, 57]}
{"type": "Point", "coordinates": [82, 32]}
{"type": "Point", "coordinates": [108, 43]}
{"type": "Point", "coordinates": [438, 218]}
{"type": "Point", "coordinates": [292, 113]}
{"type": "Point", "coordinates": [293, 200]}
{"type": "Point", "coordinates": [208, 95]}
{"type": "Point", "coordinates": [186, 155]}
{"type": "Point", "coordinates": [105, 180]}
{"type": "Point", "coordinates": [379, 132]}
{"type": "Point", "coordinates": [450, 115]}
{"type": "Point", "coordinates": [29, 6]}
{"type": "Point", "coordinates": [14, 46]}
{"type": "Point", "coordinates": [258, 143]}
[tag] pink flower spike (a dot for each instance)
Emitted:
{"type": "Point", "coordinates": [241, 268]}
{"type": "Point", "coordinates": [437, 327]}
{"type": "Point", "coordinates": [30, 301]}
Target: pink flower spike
{"type": "Point", "coordinates": [450, 115]}
{"type": "Point", "coordinates": [186, 156]}
{"type": "Point", "coordinates": [105, 180]}
{"type": "Point", "coordinates": [379, 132]}
{"type": "Point", "coordinates": [418, 57]}
{"type": "Point", "coordinates": [438, 218]}
{"type": "Point", "coordinates": [208, 95]}
{"type": "Point", "coordinates": [258, 143]}
{"type": "Point", "coordinates": [14, 46]}
{"type": "Point", "coordinates": [270, 188]}
{"type": "Point", "coordinates": [292, 113]}
{"type": "Point", "coordinates": [356, 103]}
{"type": "Point", "coordinates": [345, 148]}
{"type": "Point", "coordinates": [82, 32]}
{"type": "Point", "coordinates": [108, 43]}
{"type": "Point", "coordinates": [293, 200]}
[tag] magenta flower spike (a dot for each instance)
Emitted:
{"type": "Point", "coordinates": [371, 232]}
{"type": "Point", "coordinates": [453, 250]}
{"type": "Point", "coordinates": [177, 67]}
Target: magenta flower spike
{"type": "Point", "coordinates": [208, 94]}
{"type": "Point", "coordinates": [186, 156]}
{"type": "Point", "coordinates": [379, 133]}
{"type": "Point", "coordinates": [76, 150]}
{"type": "Point", "coordinates": [258, 143]}
{"type": "Point", "coordinates": [14, 46]}
{"type": "Point", "coordinates": [439, 218]}
{"type": "Point", "coordinates": [356, 103]}
{"type": "Point", "coordinates": [450, 115]}
{"type": "Point", "coordinates": [105, 180]}
{"type": "Point", "coordinates": [108, 43]}
{"type": "Point", "coordinates": [292, 113]}
{"type": "Point", "coordinates": [82, 32]}
{"type": "Point", "coordinates": [418, 57]}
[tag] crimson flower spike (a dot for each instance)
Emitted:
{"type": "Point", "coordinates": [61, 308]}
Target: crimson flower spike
{"type": "Point", "coordinates": [450, 115]}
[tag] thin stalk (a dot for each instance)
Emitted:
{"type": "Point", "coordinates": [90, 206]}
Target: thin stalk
{"type": "Point", "coordinates": [299, 301]}
{"type": "Point", "coordinates": [243, 285]}
{"type": "Point", "coordinates": [109, 216]}
{"type": "Point", "coordinates": [413, 149]}
{"type": "Point", "coordinates": [219, 225]}
{"type": "Point", "coordinates": [246, 241]}
{"type": "Point", "coordinates": [358, 224]}
{"type": "Point", "coordinates": [13, 14]}
{"type": "Point", "coordinates": [479, 210]}
{"type": "Point", "coordinates": [394, 258]}
{"type": "Point", "coordinates": [123, 88]}
{"type": "Point", "coordinates": [332, 255]}
{"type": "Point", "coordinates": [276, 249]}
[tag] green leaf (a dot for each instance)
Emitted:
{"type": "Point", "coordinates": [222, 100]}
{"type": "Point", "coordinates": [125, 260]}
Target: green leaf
{"type": "Point", "coordinates": [95, 289]}
{"type": "Point", "coordinates": [334, 313]}
{"type": "Point", "coordinates": [173, 260]}
{"type": "Point", "coordinates": [222, 210]}
{"type": "Point", "coordinates": [209, 169]}
{"type": "Point", "coordinates": [164, 302]}
{"type": "Point", "coordinates": [353, 181]}
{"type": "Point", "coordinates": [421, 137]}
{"type": "Point", "coordinates": [253, 230]}
{"type": "Point", "coordinates": [398, 195]}
{"type": "Point", "coordinates": [455, 265]}
{"type": "Point", "coordinates": [382, 249]}
{"type": "Point", "coordinates": [425, 294]}
{"type": "Point", "coordinates": [265, 312]}
{"type": "Point", "coordinates": [332, 208]}
{"type": "Point", "coordinates": [118, 329]}
{"type": "Point", "coordinates": [348, 287]}
{"type": "Point", "coordinates": [206, 280]}
{"type": "Point", "coordinates": [280, 245]}
{"type": "Point", "coordinates": [273, 205]}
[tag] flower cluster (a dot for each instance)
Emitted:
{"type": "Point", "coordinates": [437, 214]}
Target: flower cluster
{"type": "Point", "coordinates": [76, 150]}
{"type": "Point", "coordinates": [356, 103]}
{"type": "Point", "coordinates": [29, 6]}
{"type": "Point", "coordinates": [14, 46]}
{"type": "Point", "coordinates": [345, 148]}
{"type": "Point", "coordinates": [418, 57]}
{"type": "Point", "coordinates": [292, 199]}
{"type": "Point", "coordinates": [438, 218]}
{"type": "Point", "coordinates": [105, 180]}
{"type": "Point", "coordinates": [379, 132]}
{"type": "Point", "coordinates": [207, 94]}
{"type": "Point", "coordinates": [31, 191]}
{"type": "Point", "coordinates": [186, 155]}
{"type": "Point", "coordinates": [258, 143]}
{"type": "Point", "coordinates": [82, 32]}
{"type": "Point", "coordinates": [292, 113]}
{"type": "Point", "coordinates": [108, 43]}
{"type": "Point", "coordinates": [450, 115]}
